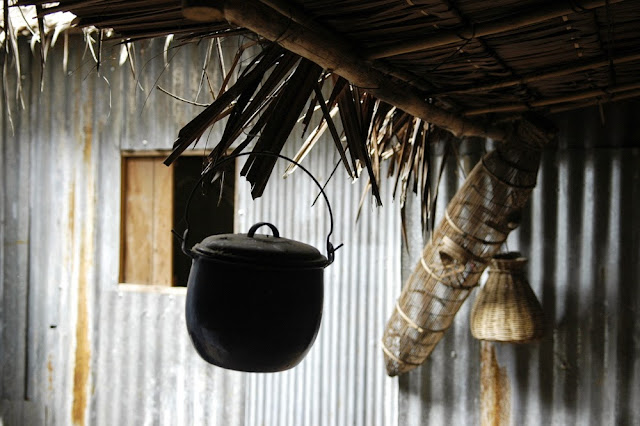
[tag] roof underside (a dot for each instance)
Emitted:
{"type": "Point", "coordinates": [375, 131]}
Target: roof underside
{"type": "Point", "coordinates": [463, 69]}
{"type": "Point", "coordinates": [471, 57]}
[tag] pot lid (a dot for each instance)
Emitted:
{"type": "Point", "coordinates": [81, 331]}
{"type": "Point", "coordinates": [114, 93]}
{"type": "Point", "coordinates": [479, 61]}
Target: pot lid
{"type": "Point", "coordinates": [258, 249]}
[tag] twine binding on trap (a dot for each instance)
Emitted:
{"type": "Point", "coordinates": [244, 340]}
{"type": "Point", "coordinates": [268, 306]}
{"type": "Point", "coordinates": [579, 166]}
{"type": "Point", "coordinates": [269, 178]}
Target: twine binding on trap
{"type": "Point", "coordinates": [467, 235]}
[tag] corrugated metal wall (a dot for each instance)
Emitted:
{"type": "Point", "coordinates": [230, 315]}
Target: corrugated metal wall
{"type": "Point", "coordinates": [144, 370]}
{"type": "Point", "coordinates": [342, 381]}
{"type": "Point", "coordinates": [78, 348]}
{"type": "Point", "coordinates": [48, 185]}
{"type": "Point", "coordinates": [582, 237]}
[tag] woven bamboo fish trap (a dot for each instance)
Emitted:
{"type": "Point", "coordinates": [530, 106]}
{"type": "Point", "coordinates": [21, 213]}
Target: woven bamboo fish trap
{"type": "Point", "coordinates": [506, 308]}
{"type": "Point", "coordinates": [476, 223]}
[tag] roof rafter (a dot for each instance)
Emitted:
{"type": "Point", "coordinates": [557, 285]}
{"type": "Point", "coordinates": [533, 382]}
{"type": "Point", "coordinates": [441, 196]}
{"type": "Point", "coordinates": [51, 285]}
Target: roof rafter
{"type": "Point", "coordinates": [597, 101]}
{"type": "Point", "coordinates": [335, 54]}
{"type": "Point", "coordinates": [488, 49]}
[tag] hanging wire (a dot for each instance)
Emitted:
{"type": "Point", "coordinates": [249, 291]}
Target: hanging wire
{"type": "Point", "coordinates": [331, 249]}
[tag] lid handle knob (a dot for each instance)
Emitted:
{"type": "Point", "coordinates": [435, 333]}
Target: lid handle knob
{"type": "Point", "coordinates": [255, 227]}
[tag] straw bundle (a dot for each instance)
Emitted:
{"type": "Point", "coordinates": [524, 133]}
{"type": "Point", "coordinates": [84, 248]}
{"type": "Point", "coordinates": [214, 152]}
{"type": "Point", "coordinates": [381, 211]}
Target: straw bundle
{"type": "Point", "coordinates": [506, 309]}
{"type": "Point", "coordinates": [477, 221]}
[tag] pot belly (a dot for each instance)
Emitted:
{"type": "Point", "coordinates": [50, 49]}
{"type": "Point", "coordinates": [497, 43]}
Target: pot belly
{"type": "Point", "coordinates": [253, 319]}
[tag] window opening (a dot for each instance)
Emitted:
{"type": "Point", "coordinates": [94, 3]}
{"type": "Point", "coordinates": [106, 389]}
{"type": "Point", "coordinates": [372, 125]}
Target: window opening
{"type": "Point", "coordinates": [210, 212]}
{"type": "Point", "coordinates": [154, 198]}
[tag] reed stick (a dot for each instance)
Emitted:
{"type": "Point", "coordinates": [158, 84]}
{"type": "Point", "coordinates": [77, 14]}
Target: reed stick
{"type": "Point", "coordinates": [442, 38]}
{"type": "Point", "coordinates": [614, 97]}
{"type": "Point", "coordinates": [605, 92]}
{"type": "Point", "coordinates": [544, 74]}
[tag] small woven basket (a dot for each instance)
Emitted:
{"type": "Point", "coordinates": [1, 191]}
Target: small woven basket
{"type": "Point", "coordinates": [506, 308]}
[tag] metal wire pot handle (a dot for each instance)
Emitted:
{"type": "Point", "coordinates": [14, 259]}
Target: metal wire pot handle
{"type": "Point", "coordinates": [330, 248]}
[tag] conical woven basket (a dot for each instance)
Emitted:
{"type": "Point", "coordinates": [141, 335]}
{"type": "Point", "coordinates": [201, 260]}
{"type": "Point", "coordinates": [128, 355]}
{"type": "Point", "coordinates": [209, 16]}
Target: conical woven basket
{"type": "Point", "coordinates": [506, 309]}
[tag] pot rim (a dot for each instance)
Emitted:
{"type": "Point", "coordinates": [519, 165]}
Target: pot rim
{"type": "Point", "coordinates": [235, 260]}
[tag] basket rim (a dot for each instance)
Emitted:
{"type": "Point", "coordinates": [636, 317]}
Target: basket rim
{"type": "Point", "coordinates": [510, 261]}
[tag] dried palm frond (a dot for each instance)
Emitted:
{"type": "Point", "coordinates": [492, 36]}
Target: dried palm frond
{"type": "Point", "coordinates": [325, 123]}
{"type": "Point", "coordinates": [250, 78]}
{"type": "Point", "coordinates": [277, 78]}
{"type": "Point", "coordinates": [293, 98]}
{"type": "Point", "coordinates": [311, 141]}
{"type": "Point", "coordinates": [356, 113]}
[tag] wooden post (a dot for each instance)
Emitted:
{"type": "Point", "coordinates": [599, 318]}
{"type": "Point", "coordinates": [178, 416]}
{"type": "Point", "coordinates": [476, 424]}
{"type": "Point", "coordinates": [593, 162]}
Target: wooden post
{"type": "Point", "coordinates": [495, 392]}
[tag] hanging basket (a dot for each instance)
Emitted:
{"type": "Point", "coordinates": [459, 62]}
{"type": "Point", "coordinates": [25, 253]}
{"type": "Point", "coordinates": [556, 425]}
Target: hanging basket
{"type": "Point", "coordinates": [506, 309]}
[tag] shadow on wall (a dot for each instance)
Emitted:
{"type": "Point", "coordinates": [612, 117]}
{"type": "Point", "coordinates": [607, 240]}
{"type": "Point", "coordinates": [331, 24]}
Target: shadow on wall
{"type": "Point", "coordinates": [582, 238]}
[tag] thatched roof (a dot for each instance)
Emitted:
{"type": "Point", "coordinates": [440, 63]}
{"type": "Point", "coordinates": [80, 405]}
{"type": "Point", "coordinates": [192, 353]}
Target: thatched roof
{"type": "Point", "coordinates": [474, 57]}
{"type": "Point", "coordinates": [400, 71]}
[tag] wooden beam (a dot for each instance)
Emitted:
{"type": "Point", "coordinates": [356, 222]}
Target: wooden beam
{"type": "Point", "coordinates": [335, 54]}
{"type": "Point", "coordinates": [443, 38]}
{"type": "Point", "coordinates": [544, 74]}
{"type": "Point", "coordinates": [604, 92]}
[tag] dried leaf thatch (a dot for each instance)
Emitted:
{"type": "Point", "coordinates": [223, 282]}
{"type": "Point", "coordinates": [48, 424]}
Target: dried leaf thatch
{"type": "Point", "coordinates": [412, 70]}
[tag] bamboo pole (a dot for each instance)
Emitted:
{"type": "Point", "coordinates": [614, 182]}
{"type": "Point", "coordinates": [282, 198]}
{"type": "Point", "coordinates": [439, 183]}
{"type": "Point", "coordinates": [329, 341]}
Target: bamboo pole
{"type": "Point", "coordinates": [299, 15]}
{"type": "Point", "coordinates": [294, 11]}
{"type": "Point", "coordinates": [202, 10]}
{"type": "Point", "coordinates": [607, 91]}
{"type": "Point", "coordinates": [334, 54]}
{"type": "Point", "coordinates": [535, 16]}
{"type": "Point", "coordinates": [544, 74]}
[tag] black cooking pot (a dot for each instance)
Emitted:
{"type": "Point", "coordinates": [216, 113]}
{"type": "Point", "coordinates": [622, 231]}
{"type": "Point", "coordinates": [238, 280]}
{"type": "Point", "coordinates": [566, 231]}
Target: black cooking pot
{"type": "Point", "coordinates": [254, 302]}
